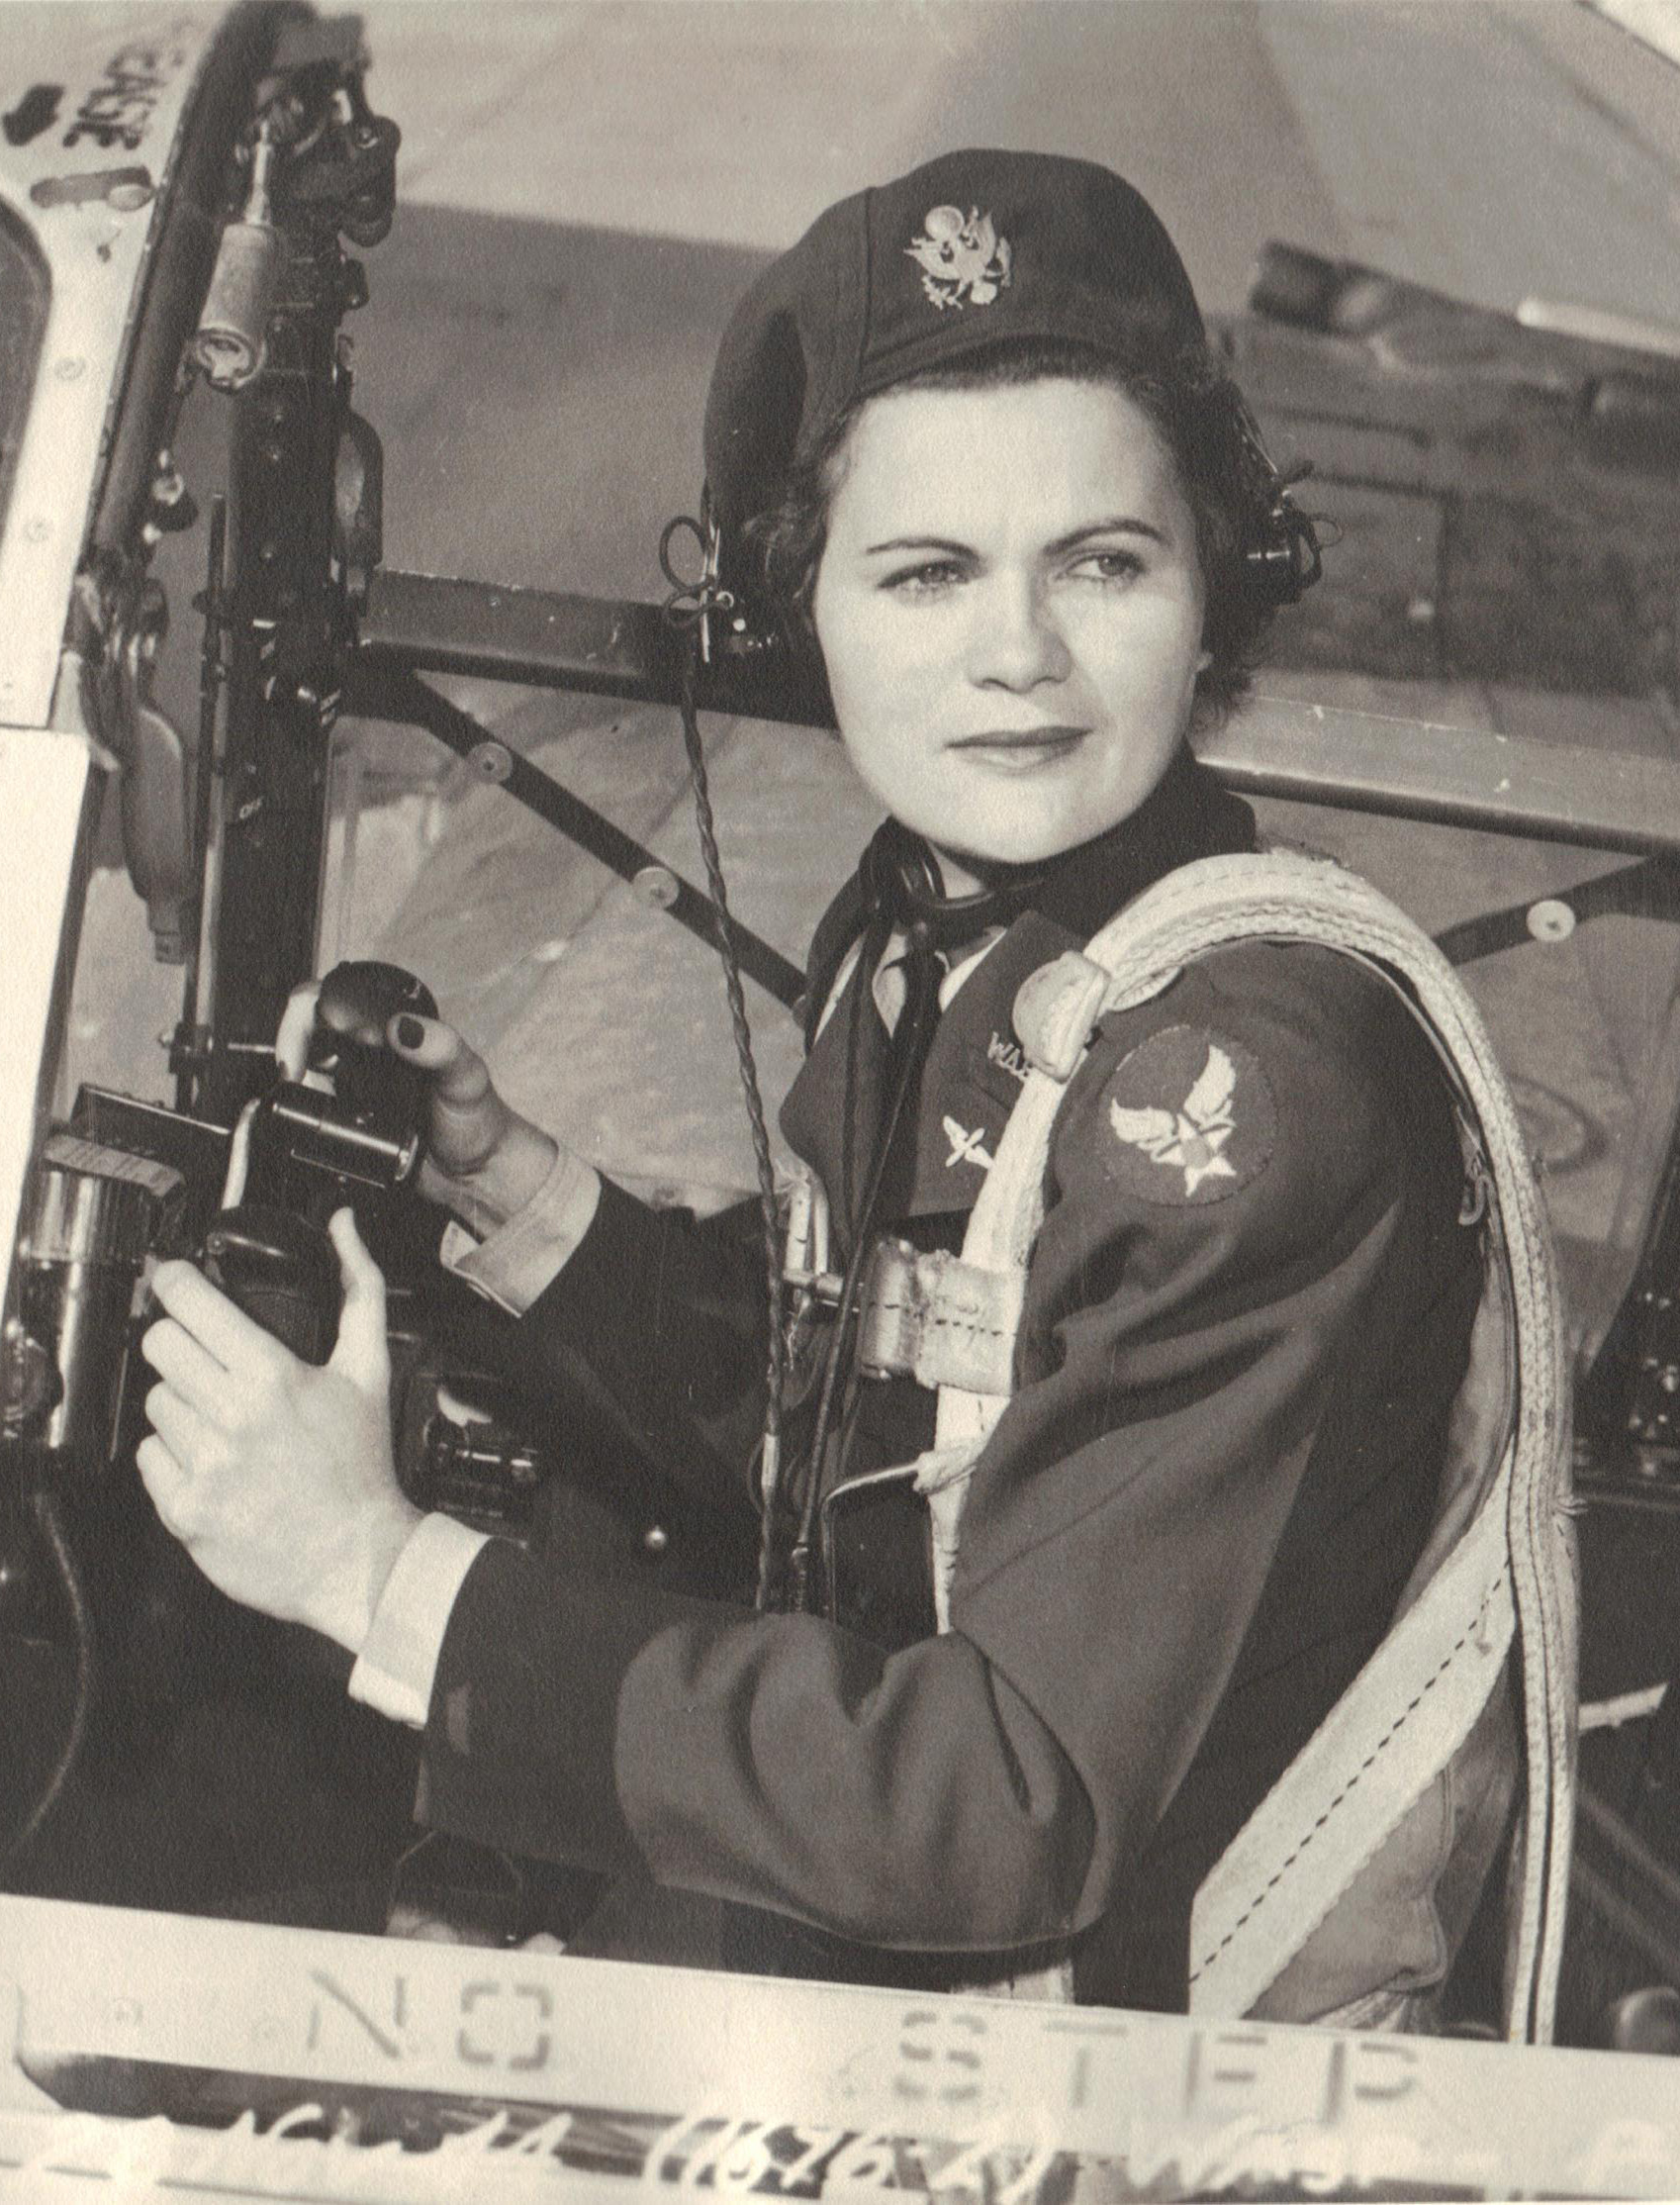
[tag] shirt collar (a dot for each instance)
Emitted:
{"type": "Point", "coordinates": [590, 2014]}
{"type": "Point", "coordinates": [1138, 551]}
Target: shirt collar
{"type": "Point", "coordinates": [1186, 815]}
{"type": "Point", "coordinates": [887, 986]}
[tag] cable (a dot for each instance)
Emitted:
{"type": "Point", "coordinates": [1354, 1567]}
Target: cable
{"type": "Point", "coordinates": [914, 897]}
{"type": "Point", "coordinates": [909, 1035]}
{"type": "Point", "coordinates": [51, 1525]}
{"type": "Point", "coordinates": [775, 1361]}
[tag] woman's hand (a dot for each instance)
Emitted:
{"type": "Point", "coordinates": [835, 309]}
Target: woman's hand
{"type": "Point", "coordinates": [276, 1476]}
{"type": "Point", "coordinates": [482, 1159]}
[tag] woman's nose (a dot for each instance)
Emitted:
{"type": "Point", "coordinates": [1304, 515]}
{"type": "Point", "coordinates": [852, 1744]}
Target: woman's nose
{"type": "Point", "coordinates": [1016, 641]}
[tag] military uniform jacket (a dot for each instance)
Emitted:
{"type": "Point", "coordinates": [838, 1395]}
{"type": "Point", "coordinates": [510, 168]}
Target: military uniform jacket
{"type": "Point", "coordinates": [1246, 1313]}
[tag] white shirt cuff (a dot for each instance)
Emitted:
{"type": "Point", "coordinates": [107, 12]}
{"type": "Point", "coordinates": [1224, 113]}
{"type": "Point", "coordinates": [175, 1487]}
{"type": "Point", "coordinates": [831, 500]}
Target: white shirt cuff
{"type": "Point", "coordinates": [513, 1264]}
{"type": "Point", "coordinates": [395, 1669]}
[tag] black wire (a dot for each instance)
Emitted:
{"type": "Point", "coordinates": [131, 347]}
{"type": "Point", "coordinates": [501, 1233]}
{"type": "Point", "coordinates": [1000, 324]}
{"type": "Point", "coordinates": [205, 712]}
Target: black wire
{"type": "Point", "coordinates": [691, 608]}
{"type": "Point", "coordinates": [870, 949]}
{"type": "Point", "coordinates": [909, 1036]}
{"type": "Point", "coordinates": [775, 1360]}
{"type": "Point", "coordinates": [50, 1522]}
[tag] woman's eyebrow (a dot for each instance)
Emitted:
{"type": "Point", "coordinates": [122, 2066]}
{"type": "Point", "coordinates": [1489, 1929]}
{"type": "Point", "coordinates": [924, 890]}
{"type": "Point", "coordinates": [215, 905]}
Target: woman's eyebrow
{"type": "Point", "coordinates": [1119, 524]}
{"type": "Point", "coordinates": [921, 543]}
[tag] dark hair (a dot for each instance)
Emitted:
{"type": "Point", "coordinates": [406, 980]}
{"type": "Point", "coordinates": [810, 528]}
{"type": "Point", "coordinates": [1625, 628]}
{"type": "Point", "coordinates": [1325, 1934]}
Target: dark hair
{"type": "Point", "coordinates": [1201, 420]}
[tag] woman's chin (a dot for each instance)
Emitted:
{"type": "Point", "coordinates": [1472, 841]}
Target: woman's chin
{"type": "Point", "coordinates": [981, 847]}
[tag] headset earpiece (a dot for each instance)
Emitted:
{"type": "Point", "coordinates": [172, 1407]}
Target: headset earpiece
{"type": "Point", "coordinates": [741, 623]}
{"type": "Point", "coordinates": [1282, 557]}
{"type": "Point", "coordinates": [715, 604]}
{"type": "Point", "coordinates": [1284, 560]}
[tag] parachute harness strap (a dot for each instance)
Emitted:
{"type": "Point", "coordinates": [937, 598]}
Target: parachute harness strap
{"type": "Point", "coordinates": [1204, 906]}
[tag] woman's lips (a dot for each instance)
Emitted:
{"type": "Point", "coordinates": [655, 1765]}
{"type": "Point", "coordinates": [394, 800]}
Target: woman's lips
{"type": "Point", "coordinates": [1021, 750]}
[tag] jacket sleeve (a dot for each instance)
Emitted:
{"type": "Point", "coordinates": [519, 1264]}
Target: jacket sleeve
{"type": "Point", "coordinates": [1233, 1383]}
{"type": "Point", "coordinates": [653, 1328]}
{"type": "Point", "coordinates": [1187, 1345]}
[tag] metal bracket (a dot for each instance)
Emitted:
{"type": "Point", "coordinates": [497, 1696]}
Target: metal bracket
{"type": "Point", "coordinates": [377, 691]}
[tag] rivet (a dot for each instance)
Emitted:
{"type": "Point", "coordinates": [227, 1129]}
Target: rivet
{"type": "Point", "coordinates": [67, 371]}
{"type": "Point", "coordinates": [491, 761]}
{"type": "Point", "coordinates": [658, 886]}
{"type": "Point", "coordinates": [1550, 920]}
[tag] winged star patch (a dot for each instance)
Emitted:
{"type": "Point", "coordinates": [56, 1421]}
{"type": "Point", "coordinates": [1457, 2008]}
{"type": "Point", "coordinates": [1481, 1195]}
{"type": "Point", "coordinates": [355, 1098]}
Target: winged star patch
{"type": "Point", "coordinates": [1192, 1118]}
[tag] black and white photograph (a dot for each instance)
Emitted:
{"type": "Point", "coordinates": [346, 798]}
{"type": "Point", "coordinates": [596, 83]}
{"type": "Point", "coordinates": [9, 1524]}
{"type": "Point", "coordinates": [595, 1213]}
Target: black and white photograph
{"type": "Point", "coordinates": [840, 1099]}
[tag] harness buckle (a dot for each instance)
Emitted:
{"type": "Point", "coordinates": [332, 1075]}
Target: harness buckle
{"type": "Point", "coordinates": [932, 1318]}
{"type": "Point", "coordinates": [1477, 1198]}
{"type": "Point", "coordinates": [805, 1260]}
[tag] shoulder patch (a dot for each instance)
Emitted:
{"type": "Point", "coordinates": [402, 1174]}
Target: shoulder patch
{"type": "Point", "coordinates": [1190, 1117]}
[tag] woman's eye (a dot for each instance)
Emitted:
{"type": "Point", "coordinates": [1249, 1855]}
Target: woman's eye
{"type": "Point", "coordinates": [1108, 566]}
{"type": "Point", "coordinates": [916, 581]}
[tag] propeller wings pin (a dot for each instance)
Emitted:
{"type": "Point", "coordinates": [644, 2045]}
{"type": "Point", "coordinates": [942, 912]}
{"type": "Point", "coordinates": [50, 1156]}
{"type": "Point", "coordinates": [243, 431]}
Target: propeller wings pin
{"type": "Point", "coordinates": [967, 1147]}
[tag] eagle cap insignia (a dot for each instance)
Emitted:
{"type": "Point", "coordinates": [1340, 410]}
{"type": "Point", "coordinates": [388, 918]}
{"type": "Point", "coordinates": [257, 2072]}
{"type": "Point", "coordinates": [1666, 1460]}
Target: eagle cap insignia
{"type": "Point", "coordinates": [963, 259]}
{"type": "Point", "coordinates": [1192, 1118]}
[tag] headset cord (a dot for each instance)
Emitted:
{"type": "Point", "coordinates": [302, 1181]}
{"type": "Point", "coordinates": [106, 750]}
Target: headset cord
{"type": "Point", "coordinates": [49, 1521]}
{"type": "Point", "coordinates": [678, 613]}
{"type": "Point", "coordinates": [691, 608]}
{"type": "Point", "coordinates": [909, 1048]}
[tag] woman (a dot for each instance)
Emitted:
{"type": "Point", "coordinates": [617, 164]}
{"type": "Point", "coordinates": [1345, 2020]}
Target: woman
{"type": "Point", "coordinates": [967, 442]}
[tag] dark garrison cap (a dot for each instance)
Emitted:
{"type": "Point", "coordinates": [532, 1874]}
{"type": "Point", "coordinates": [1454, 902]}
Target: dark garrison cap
{"type": "Point", "coordinates": [969, 251]}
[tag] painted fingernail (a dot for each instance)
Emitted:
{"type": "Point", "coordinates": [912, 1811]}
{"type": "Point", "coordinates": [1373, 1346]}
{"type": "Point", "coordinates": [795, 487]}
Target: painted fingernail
{"type": "Point", "coordinates": [410, 1032]}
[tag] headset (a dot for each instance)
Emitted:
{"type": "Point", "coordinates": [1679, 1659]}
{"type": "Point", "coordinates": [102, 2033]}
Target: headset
{"type": "Point", "coordinates": [736, 619]}
{"type": "Point", "coordinates": [1282, 557]}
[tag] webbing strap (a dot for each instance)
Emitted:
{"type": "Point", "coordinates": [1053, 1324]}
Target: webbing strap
{"type": "Point", "coordinates": [1409, 1710]}
{"type": "Point", "coordinates": [1384, 1742]}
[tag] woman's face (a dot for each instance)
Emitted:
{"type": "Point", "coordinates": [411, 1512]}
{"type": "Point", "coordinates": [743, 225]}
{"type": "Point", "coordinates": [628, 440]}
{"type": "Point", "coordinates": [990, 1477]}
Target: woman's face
{"type": "Point", "coordinates": [1010, 606]}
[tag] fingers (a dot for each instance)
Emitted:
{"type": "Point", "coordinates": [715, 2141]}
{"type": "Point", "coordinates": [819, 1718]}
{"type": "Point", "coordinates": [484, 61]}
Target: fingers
{"type": "Point", "coordinates": [459, 1073]}
{"type": "Point", "coordinates": [468, 1120]}
{"type": "Point", "coordinates": [362, 1351]}
{"type": "Point", "coordinates": [167, 1482]}
{"type": "Point", "coordinates": [297, 1024]}
{"type": "Point", "coordinates": [344, 1010]}
{"type": "Point", "coordinates": [240, 1346]}
{"type": "Point", "coordinates": [191, 1441]}
{"type": "Point", "coordinates": [190, 1369]}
